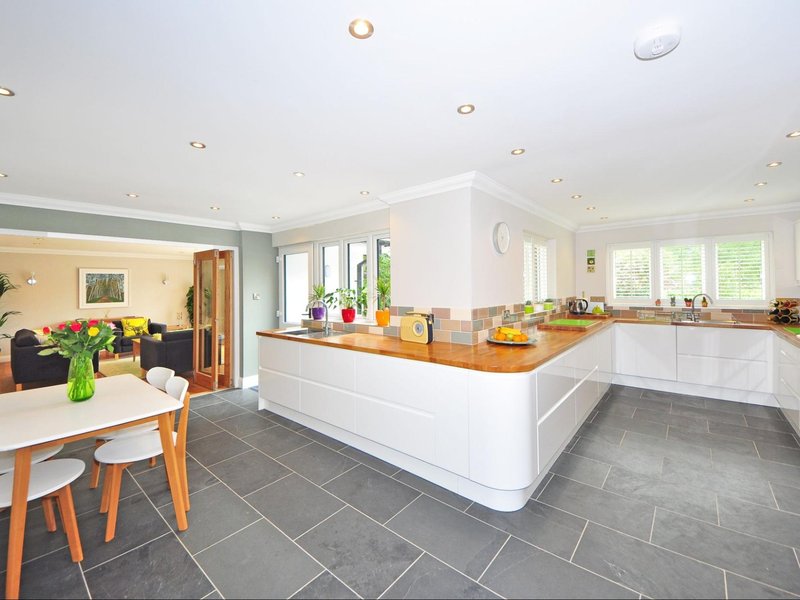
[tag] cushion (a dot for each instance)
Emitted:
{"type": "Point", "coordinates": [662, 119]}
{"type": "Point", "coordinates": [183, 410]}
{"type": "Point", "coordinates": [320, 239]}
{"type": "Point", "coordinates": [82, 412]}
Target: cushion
{"type": "Point", "coordinates": [135, 326]}
{"type": "Point", "coordinates": [25, 337]}
{"type": "Point", "coordinates": [40, 336]}
{"type": "Point", "coordinates": [156, 336]}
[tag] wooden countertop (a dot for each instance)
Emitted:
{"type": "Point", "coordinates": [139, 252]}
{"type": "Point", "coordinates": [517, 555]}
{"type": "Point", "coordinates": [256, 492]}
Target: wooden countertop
{"type": "Point", "coordinates": [494, 357]}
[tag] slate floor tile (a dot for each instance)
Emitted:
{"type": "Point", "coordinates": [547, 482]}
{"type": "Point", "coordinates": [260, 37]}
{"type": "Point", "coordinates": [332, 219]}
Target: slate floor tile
{"type": "Point", "coordinates": [51, 576]}
{"type": "Point", "coordinates": [239, 396]}
{"type": "Point", "coordinates": [204, 400]}
{"type": "Point", "coordinates": [610, 435]}
{"type": "Point", "coordinates": [38, 541]}
{"type": "Point", "coordinates": [544, 526]}
{"type": "Point", "coordinates": [199, 428]}
{"type": "Point", "coordinates": [743, 554]}
{"type": "Point", "coordinates": [737, 485]}
{"type": "Point", "coordinates": [294, 505]}
{"type": "Point", "coordinates": [522, 571]}
{"type": "Point", "coordinates": [167, 571]}
{"type": "Point", "coordinates": [626, 390]}
{"type": "Point", "coordinates": [325, 586]}
{"type": "Point", "coordinates": [374, 494]}
{"type": "Point", "coordinates": [258, 562]}
{"type": "Point", "coordinates": [245, 424]}
{"type": "Point", "coordinates": [768, 424]}
{"type": "Point", "coordinates": [584, 470]}
{"type": "Point", "coordinates": [623, 514]}
{"type": "Point", "coordinates": [277, 441]}
{"type": "Point", "coordinates": [653, 571]}
{"type": "Point", "coordinates": [773, 525]}
{"type": "Point", "coordinates": [461, 541]}
{"type": "Point", "coordinates": [323, 439]}
{"type": "Point", "coordinates": [87, 499]}
{"type": "Point", "coordinates": [430, 578]}
{"type": "Point", "coordinates": [681, 422]}
{"type": "Point", "coordinates": [613, 407]}
{"type": "Point", "coordinates": [788, 497]}
{"type": "Point", "coordinates": [248, 472]}
{"type": "Point", "coordinates": [745, 589]}
{"type": "Point", "coordinates": [155, 485]}
{"type": "Point", "coordinates": [645, 445]}
{"type": "Point", "coordinates": [216, 447]}
{"type": "Point", "coordinates": [756, 435]}
{"type": "Point", "coordinates": [781, 454]}
{"type": "Point", "coordinates": [317, 463]}
{"type": "Point", "coordinates": [680, 399]}
{"type": "Point", "coordinates": [216, 513]}
{"type": "Point", "coordinates": [433, 490]}
{"type": "Point", "coordinates": [219, 411]}
{"type": "Point", "coordinates": [644, 403]}
{"type": "Point", "coordinates": [781, 473]}
{"type": "Point", "coordinates": [371, 461]}
{"type": "Point", "coordinates": [647, 463]}
{"type": "Point", "coordinates": [713, 441]}
{"type": "Point", "coordinates": [288, 423]}
{"type": "Point", "coordinates": [361, 553]}
{"type": "Point", "coordinates": [717, 416]}
{"type": "Point", "coordinates": [658, 430]}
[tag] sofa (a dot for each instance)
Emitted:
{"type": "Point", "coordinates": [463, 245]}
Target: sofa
{"type": "Point", "coordinates": [173, 350]}
{"type": "Point", "coordinates": [28, 367]}
{"type": "Point", "coordinates": [123, 343]}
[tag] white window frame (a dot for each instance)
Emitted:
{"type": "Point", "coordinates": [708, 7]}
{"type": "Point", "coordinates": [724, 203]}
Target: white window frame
{"type": "Point", "coordinates": [282, 252]}
{"type": "Point", "coordinates": [711, 282]}
{"type": "Point", "coordinates": [550, 245]}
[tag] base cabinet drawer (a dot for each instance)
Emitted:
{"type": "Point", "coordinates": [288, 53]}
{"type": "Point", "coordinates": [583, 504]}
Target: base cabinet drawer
{"type": "Point", "coordinates": [586, 396]}
{"type": "Point", "coordinates": [279, 388]}
{"type": "Point", "coordinates": [327, 404]}
{"type": "Point", "coordinates": [789, 401]}
{"type": "Point", "coordinates": [748, 375]}
{"type": "Point", "coordinates": [554, 429]}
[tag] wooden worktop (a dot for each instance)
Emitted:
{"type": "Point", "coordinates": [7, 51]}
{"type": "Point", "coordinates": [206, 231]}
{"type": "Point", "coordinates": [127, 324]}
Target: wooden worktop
{"type": "Point", "coordinates": [493, 357]}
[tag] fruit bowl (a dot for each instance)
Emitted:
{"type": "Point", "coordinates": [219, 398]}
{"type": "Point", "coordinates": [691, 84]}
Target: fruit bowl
{"type": "Point", "coordinates": [530, 342]}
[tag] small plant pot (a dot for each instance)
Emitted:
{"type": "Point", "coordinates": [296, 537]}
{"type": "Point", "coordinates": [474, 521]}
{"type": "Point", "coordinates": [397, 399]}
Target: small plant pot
{"type": "Point", "coordinates": [348, 315]}
{"type": "Point", "coordinates": [382, 317]}
{"type": "Point", "coordinates": [688, 303]}
{"type": "Point", "coordinates": [317, 312]}
{"type": "Point", "coordinates": [528, 309]}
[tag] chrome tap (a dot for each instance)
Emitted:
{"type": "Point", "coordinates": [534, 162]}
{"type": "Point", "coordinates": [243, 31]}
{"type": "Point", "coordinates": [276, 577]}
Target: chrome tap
{"type": "Point", "coordinates": [693, 316]}
{"type": "Point", "coordinates": [327, 328]}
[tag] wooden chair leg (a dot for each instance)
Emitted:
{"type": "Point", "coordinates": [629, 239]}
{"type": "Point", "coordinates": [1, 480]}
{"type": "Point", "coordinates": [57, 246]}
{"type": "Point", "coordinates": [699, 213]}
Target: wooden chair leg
{"type": "Point", "coordinates": [115, 473]}
{"type": "Point", "coordinates": [49, 514]}
{"type": "Point", "coordinates": [95, 479]}
{"type": "Point", "coordinates": [152, 461]}
{"type": "Point", "coordinates": [107, 483]}
{"type": "Point", "coordinates": [66, 508]}
{"type": "Point", "coordinates": [18, 387]}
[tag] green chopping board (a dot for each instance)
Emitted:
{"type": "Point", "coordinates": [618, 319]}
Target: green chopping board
{"type": "Point", "coordinates": [794, 330]}
{"type": "Point", "coordinates": [572, 322]}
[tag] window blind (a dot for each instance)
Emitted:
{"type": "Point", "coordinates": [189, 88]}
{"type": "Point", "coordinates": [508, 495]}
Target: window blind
{"type": "Point", "coordinates": [741, 270]}
{"type": "Point", "coordinates": [631, 276]}
{"type": "Point", "coordinates": [534, 269]}
{"type": "Point", "coordinates": [683, 270]}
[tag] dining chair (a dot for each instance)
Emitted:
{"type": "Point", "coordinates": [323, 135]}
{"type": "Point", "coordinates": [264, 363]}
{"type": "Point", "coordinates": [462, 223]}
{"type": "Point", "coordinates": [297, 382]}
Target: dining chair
{"type": "Point", "coordinates": [37, 456]}
{"type": "Point", "coordinates": [120, 453]}
{"type": "Point", "coordinates": [157, 377]}
{"type": "Point", "coordinates": [50, 480]}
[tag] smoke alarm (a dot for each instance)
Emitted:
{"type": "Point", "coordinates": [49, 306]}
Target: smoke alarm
{"type": "Point", "coordinates": [657, 42]}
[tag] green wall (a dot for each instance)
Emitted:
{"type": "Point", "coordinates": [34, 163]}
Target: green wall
{"type": "Point", "coordinates": [257, 267]}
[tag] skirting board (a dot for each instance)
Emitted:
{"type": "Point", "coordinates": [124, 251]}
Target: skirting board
{"type": "Point", "coordinates": [693, 389]}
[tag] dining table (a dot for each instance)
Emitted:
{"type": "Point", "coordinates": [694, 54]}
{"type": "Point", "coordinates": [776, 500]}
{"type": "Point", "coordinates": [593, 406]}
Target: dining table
{"type": "Point", "coordinates": [34, 419]}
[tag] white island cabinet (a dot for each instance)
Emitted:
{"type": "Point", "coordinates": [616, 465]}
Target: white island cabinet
{"type": "Point", "coordinates": [787, 381]}
{"type": "Point", "coordinates": [488, 436]}
{"type": "Point", "coordinates": [645, 350]}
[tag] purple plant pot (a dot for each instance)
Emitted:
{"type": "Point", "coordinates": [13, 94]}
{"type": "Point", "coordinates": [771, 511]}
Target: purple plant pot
{"type": "Point", "coordinates": [317, 312]}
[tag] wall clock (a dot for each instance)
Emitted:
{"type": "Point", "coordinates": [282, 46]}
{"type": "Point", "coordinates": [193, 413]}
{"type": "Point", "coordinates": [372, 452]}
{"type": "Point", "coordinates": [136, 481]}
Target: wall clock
{"type": "Point", "coordinates": [501, 237]}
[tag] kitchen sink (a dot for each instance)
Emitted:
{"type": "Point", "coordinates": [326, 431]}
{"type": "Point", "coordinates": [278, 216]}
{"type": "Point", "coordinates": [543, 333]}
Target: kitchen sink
{"type": "Point", "coordinates": [315, 334]}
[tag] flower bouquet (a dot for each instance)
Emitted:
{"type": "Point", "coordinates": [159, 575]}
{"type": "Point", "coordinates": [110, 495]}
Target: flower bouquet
{"type": "Point", "coordinates": [78, 341]}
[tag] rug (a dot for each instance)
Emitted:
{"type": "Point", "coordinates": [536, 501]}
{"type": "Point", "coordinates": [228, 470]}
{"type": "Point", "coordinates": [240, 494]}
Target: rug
{"type": "Point", "coordinates": [121, 366]}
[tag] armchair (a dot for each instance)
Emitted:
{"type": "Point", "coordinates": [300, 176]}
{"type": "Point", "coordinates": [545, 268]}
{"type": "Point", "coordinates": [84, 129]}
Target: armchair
{"type": "Point", "coordinates": [173, 351]}
{"type": "Point", "coordinates": [28, 367]}
{"type": "Point", "coordinates": [125, 344]}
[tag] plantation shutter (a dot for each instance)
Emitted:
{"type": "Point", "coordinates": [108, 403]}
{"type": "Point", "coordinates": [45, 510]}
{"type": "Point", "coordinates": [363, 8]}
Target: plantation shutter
{"type": "Point", "coordinates": [534, 269]}
{"type": "Point", "coordinates": [683, 270]}
{"type": "Point", "coordinates": [631, 276]}
{"type": "Point", "coordinates": [741, 270]}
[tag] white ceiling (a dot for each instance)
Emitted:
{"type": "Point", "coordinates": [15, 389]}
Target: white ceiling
{"type": "Point", "coordinates": [109, 95]}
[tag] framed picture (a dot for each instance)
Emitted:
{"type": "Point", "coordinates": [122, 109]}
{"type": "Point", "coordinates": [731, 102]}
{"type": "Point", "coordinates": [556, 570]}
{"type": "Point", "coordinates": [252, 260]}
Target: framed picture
{"type": "Point", "coordinates": [102, 288]}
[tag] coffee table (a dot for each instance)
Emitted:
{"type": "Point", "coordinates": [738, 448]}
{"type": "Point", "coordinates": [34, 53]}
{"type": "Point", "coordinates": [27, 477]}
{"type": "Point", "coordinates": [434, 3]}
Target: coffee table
{"type": "Point", "coordinates": [137, 348]}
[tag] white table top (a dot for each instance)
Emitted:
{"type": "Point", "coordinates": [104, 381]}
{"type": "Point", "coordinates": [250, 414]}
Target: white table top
{"type": "Point", "coordinates": [42, 415]}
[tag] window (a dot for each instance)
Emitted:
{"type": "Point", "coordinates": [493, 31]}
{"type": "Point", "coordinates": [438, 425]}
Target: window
{"type": "Point", "coordinates": [295, 282]}
{"type": "Point", "coordinates": [330, 267]}
{"type": "Point", "coordinates": [357, 274]}
{"type": "Point", "coordinates": [534, 268]}
{"type": "Point", "coordinates": [683, 270]}
{"type": "Point", "coordinates": [631, 273]}
{"type": "Point", "coordinates": [383, 264]}
{"type": "Point", "coordinates": [733, 270]}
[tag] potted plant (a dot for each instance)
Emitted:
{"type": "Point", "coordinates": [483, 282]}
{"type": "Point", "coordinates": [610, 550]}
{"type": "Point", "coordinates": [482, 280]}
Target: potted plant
{"type": "Point", "coordinates": [384, 288]}
{"type": "Point", "coordinates": [344, 298]}
{"type": "Point", "coordinates": [687, 302]}
{"type": "Point", "coordinates": [316, 301]}
{"type": "Point", "coordinates": [6, 286]}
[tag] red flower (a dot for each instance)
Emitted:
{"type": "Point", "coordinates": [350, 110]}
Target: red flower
{"type": "Point", "coordinates": [46, 330]}
{"type": "Point", "coordinates": [76, 327]}
{"type": "Point", "coordinates": [93, 322]}
{"type": "Point", "coordinates": [62, 326]}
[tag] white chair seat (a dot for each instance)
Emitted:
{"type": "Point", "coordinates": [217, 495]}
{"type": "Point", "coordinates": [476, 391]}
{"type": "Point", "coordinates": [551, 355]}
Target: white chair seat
{"type": "Point", "coordinates": [131, 449]}
{"type": "Point", "coordinates": [129, 431]}
{"type": "Point", "coordinates": [7, 458]}
{"type": "Point", "coordinates": [46, 478]}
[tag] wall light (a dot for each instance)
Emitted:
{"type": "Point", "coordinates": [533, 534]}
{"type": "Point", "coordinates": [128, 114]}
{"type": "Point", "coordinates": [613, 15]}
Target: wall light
{"type": "Point", "coordinates": [32, 279]}
{"type": "Point", "coordinates": [165, 280]}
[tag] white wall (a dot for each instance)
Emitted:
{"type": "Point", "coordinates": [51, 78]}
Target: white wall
{"type": "Point", "coordinates": [780, 225]}
{"type": "Point", "coordinates": [330, 230]}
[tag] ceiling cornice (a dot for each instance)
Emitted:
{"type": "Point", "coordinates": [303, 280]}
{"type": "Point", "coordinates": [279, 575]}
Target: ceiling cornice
{"type": "Point", "coordinates": [705, 216]}
{"type": "Point", "coordinates": [331, 215]}
{"type": "Point", "coordinates": [440, 186]}
{"type": "Point", "coordinates": [104, 253]}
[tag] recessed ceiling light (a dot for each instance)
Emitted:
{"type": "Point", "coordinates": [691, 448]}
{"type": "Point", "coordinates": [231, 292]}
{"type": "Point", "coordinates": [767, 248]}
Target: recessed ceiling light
{"type": "Point", "coordinates": [3, 175]}
{"type": "Point", "coordinates": [793, 134]}
{"type": "Point", "coordinates": [6, 92]}
{"type": "Point", "coordinates": [556, 180]}
{"type": "Point", "coordinates": [518, 151]}
{"type": "Point", "coordinates": [214, 207]}
{"type": "Point", "coordinates": [275, 218]}
{"type": "Point", "coordinates": [198, 145]}
{"type": "Point", "coordinates": [749, 199]}
{"type": "Point", "coordinates": [776, 163]}
{"type": "Point", "coordinates": [576, 196]}
{"type": "Point", "coordinates": [760, 184]}
{"type": "Point", "coordinates": [364, 193]}
{"type": "Point", "coordinates": [591, 208]}
{"type": "Point", "coordinates": [299, 174]}
{"type": "Point", "coordinates": [132, 195]}
{"type": "Point", "coordinates": [465, 109]}
{"type": "Point", "coordinates": [360, 29]}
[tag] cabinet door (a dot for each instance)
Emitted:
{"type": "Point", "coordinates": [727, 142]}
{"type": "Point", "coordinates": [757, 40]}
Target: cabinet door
{"type": "Point", "coordinates": [279, 388]}
{"type": "Point", "coordinates": [605, 360]}
{"type": "Point", "coordinates": [645, 350]}
{"type": "Point", "coordinates": [724, 343]}
{"type": "Point", "coordinates": [731, 373]}
{"type": "Point", "coordinates": [554, 380]}
{"type": "Point", "coordinates": [555, 428]}
{"type": "Point", "coordinates": [586, 396]}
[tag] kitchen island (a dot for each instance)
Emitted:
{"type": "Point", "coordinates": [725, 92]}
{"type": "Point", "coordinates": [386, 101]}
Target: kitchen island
{"type": "Point", "coordinates": [484, 421]}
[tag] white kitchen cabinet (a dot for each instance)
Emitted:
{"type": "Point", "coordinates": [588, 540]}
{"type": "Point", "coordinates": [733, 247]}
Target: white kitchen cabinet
{"type": "Point", "coordinates": [726, 358]}
{"type": "Point", "coordinates": [645, 350]}
{"type": "Point", "coordinates": [586, 396]}
{"type": "Point", "coordinates": [554, 380]}
{"type": "Point", "coordinates": [279, 388]}
{"type": "Point", "coordinates": [605, 360]}
{"type": "Point", "coordinates": [797, 250]}
{"type": "Point", "coordinates": [787, 385]}
{"type": "Point", "coordinates": [555, 428]}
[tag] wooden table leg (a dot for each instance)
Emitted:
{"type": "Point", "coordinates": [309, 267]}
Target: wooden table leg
{"type": "Point", "coordinates": [16, 530]}
{"type": "Point", "coordinates": [173, 471]}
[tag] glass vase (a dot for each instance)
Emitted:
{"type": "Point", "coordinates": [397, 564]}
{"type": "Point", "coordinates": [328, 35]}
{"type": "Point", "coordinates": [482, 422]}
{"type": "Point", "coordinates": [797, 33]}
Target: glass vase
{"type": "Point", "coordinates": [80, 380]}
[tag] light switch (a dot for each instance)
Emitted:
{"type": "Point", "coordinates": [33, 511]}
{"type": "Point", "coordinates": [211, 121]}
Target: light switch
{"type": "Point", "coordinates": [256, 296]}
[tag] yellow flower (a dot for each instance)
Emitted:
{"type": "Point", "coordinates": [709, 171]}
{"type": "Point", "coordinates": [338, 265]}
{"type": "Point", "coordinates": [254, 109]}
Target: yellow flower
{"type": "Point", "coordinates": [93, 331]}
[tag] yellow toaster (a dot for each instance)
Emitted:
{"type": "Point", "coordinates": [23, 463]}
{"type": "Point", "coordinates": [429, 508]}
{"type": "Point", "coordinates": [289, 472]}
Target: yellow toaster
{"type": "Point", "coordinates": [417, 327]}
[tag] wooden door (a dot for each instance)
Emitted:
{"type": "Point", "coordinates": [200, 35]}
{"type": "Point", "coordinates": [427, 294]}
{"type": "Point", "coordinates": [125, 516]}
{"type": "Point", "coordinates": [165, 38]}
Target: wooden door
{"type": "Point", "coordinates": [213, 317]}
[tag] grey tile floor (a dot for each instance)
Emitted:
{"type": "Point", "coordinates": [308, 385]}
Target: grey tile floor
{"type": "Point", "coordinates": [658, 495]}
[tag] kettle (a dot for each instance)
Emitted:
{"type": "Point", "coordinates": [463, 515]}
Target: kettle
{"type": "Point", "coordinates": [578, 307]}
